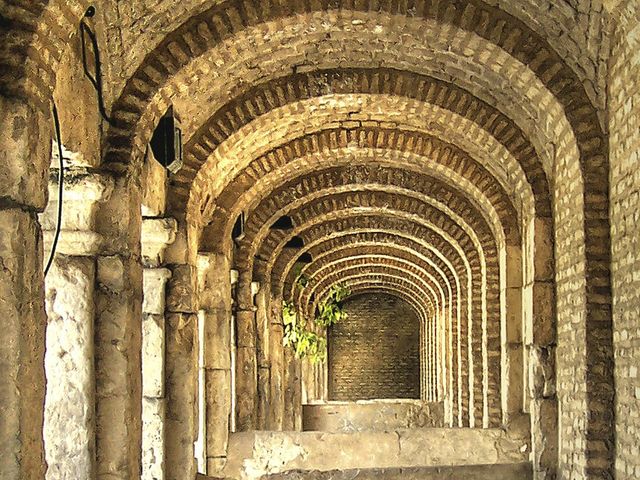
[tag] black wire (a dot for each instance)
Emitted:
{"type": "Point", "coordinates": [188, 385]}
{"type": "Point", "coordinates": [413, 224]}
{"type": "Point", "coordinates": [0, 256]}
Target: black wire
{"type": "Point", "coordinates": [56, 122]}
{"type": "Point", "coordinates": [97, 80]}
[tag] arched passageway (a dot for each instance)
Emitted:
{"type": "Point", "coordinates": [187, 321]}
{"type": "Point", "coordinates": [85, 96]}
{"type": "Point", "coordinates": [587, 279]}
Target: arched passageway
{"type": "Point", "coordinates": [193, 194]}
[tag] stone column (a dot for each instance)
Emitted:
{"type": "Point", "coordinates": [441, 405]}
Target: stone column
{"type": "Point", "coordinates": [247, 361]}
{"type": "Point", "coordinates": [157, 234]}
{"type": "Point", "coordinates": [69, 422]}
{"type": "Point", "coordinates": [264, 353]}
{"type": "Point", "coordinates": [276, 327]}
{"type": "Point", "coordinates": [540, 339]}
{"type": "Point", "coordinates": [214, 287]}
{"type": "Point", "coordinates": [24, 158]}
{"type": "Point", "coordinates": [292, 418]}
{"type": "Point", "coordinates": [118, 335]}
{"type": "Point", "coordinates": [512, 344]}
{"type": "Point", "coordinates": [181, 380]}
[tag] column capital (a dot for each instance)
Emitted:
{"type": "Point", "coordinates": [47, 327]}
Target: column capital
{"type": "Point", "coordinates": [157, 235]}
{"type": "Point", "coordinates": [82, 191]}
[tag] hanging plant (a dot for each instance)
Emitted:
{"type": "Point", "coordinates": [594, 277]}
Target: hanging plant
{"type": "Point", "coordinates": [305, 342]}
{"type": "Point", "coordinates": [331, 311]}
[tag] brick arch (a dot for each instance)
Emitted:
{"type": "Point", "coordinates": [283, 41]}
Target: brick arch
{"type": "Point", "coordinates": [363, 263]}
{"type": "Point", "coordinates": [295, 194]}
{"type": "Point", "coordinates": [35, 35]}
{"type": "Point", "coordinates": [320, 266]}
{"type": "Point", "coordinates": [357, 273]}
{"type": "Point", "coordinates": [372, 287]}
{"type": "Point", "coordinates": [586, 160]}
{"type": "Point", "coordinates": [421, 88]}
{"type": "Point", "coordinates": [260, 240]}
{"type": "Point", "coordinates": [372, 150]}
{"type": "Point", "coordinates": [387, 218]}
{"type": "Point", "coordinates": [350, 274]}
{"type": "Point", "coordinates": [352, 248]}
{"type": "Point", "coordinates": [222, 21]}
{"type": "Point", "coordinates": [333, 235]}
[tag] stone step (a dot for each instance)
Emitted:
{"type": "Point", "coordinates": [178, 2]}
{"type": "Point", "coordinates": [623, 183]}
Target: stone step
{"type": "Point", "coordinates": [521, 471]}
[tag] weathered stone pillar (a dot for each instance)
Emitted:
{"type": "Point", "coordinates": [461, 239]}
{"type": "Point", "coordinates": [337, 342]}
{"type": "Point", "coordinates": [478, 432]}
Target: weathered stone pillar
{"type": "Point", "coordinates": [247, 361]}
{"type": "Point", "coordinates": [540, 339]}
{"type": "Point", "coordinates": [263, 352]}
{"type": "Point", "coordinates": [24, 158]}
{"type": "Point", "coordinates": [277, 362]}
{"type": "Point", "coordinates": [214, 288]}
{"type": "Point", "coordinates": [292, 418]}
{"type": "Point", "coordinates": [118, 336]}
{"type": "Point", "coordinates": [157, 234]}
{"type": "Point", "coordinates": [181, 380]}
{"type": "Point", "coordinates": [512, 345]}
{"type": "Point", "coordinates": [69, 425]}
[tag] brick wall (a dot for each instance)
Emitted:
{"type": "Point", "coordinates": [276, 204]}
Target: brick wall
{"type": "Point", "coordinates": [624, 95]}
{"type": "Point", "coordinates": [374, 353]}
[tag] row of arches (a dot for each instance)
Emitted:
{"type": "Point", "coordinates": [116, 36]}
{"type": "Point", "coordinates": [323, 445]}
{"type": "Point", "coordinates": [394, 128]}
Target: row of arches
{"type": "Point", "coordinates": [453, 154]}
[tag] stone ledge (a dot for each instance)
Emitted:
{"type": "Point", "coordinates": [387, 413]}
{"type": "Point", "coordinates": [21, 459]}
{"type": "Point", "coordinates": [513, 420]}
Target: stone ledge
{"type": "Point", "coordinates": [254, 454]}
{"type": "Point", "coordinates": [521, 471]}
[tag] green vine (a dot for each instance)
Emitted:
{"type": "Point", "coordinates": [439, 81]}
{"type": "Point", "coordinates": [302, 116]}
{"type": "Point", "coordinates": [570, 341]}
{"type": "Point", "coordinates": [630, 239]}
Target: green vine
{"type": "Point", "coordinates": [305, 342]}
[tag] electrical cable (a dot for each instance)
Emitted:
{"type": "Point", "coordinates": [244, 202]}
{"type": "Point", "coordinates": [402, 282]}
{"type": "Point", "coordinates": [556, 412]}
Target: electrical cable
{"type": "Point", "coordinates": [97, 80]}
{"type": "Point", "coordinates": [56, 121]}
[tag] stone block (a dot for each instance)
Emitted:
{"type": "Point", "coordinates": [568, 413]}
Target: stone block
{"type": "Point", "coordinates": [181, 290]}
{"type": "Point", "coordinates": [154, 281]}
{"type": "Point", "coordinates": [542, 380]}
{"type": "Point", "coordinates": [544, 434]}
{"type": "Point", "coordinates": [24, 157]}
{"type": "Point", "coordinates": [514, 314]}
{"type": "Point", "coordinates": [157, 235]}
{"type": "Point", "coordinates": [22, 381]}
{"type": "Point", "coordinates": [153, 434]}
{"type": "Point", "coordinates": [153, 350]}
{"type": "Point", "coordinates": [215, 466]}
{"type": "Point", "coordinates": [544, 266]}
{"type": "Point", "coordinates": [514, 267]}
{"type": "Point", "coordinates": [217, 339]}
{"type": "Point", "coordinates": [218, 410]}
{"type": "Point", "coordinates": [181, 393]}
{"type": "Point", "coordinates": [82, 190]}
{"type": "Point", "coordinates": [246, 387]}
{"type": "Point", "coordinates": [214, 283]}
{"type": "Point", "coordinates": [246, 328]}
{"type": "Point", "coordinates": [544, 320]}
{"type": "Point", "coordinates": [111, 273]}
{"type": "Point", "coordinates": [68, 426]}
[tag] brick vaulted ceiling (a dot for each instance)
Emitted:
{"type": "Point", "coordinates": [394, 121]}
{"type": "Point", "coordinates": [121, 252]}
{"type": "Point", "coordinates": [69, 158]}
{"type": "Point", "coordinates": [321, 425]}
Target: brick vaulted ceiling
{"type": "Point", "coordinates": [413, 144]}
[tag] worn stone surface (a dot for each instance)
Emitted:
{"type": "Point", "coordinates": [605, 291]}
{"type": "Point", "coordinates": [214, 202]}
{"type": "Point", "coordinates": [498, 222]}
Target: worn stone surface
{"type": "Point", "coordinates": [485, 472]}
{"type": "Point", "coordinates": [154, 282]}
{"type": "Point", "coordinates": [371, 416]}
{"type": "Point", "coordinates": [153, 438]}
{"type": "Point", "coordinates": [69, 425]}
{"type": "Point", "coordinates": [24, 159]}
{"type": "Point", "coordinates": [181, 289]}
{"type": "Point", "coordinates": [22, 351]}
{"type": "Point", "coordinates": [157, 234]}
{"type": "Point", "coordinates": [456, 132]}
{"type": "Point", "coordinates": [118, 366]}
{"type": "Point", "coordinates": [217, 411]}
{"type": "Point", "coordinates": [254, 454]}
{"type": "Point", "coordinates": [181, 393]}
{"type": "Point", "coordinates": [153, 355]}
